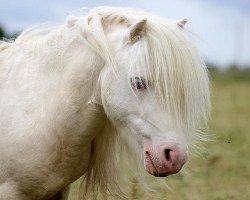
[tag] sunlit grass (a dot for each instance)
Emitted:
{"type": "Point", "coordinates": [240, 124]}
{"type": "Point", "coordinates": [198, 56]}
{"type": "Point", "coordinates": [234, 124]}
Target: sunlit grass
{"type": "Point", "coordinates": [223, 170]}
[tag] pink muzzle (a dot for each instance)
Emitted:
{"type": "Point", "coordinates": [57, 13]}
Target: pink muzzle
{"type": "Point", "coordinates": [164, 159]}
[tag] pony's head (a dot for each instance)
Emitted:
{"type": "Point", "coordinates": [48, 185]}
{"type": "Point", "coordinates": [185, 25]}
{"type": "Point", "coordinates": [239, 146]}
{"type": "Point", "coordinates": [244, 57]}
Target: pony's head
{"type": "Point", "coordinates": [156, 91]}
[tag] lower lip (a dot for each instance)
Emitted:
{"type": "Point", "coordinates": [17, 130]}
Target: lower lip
{"type": "Point", "coordinates": [148, 158]}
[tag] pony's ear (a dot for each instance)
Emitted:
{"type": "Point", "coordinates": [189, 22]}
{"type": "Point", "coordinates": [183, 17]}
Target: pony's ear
{"type": "Point", "coordinates": [71, 21]}
{"type": "Point", "coordinates": [137, 30]}
{"type": "Point", "coordinates": [181, 23]}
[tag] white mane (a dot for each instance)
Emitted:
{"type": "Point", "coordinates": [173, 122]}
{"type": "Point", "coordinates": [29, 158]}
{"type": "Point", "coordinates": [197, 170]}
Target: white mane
{"type": "Point", "coordinates": [164, 52]}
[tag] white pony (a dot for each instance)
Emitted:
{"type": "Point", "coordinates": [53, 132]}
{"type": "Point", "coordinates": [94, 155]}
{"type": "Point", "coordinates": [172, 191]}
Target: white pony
{"type": "Point", "coordinates": [71, 95]}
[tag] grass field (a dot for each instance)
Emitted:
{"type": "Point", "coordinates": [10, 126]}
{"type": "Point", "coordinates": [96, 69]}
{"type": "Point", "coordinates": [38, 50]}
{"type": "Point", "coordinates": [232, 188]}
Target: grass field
{"type": "Point", "coordinates": [222, 172]}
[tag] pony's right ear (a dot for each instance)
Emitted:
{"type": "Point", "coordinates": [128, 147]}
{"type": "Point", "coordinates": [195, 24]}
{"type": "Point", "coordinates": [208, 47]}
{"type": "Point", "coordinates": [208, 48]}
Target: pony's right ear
{"type": "Point", "coordinates": [71, 21]}
{"type": "Point", "coordinates": [136, 31]}
{"type": "Point", "coordinates": [181, 23]}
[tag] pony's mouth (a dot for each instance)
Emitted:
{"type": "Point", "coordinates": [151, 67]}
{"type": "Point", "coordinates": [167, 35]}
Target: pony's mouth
{"type": "Point", "coordinates": [150, 166]}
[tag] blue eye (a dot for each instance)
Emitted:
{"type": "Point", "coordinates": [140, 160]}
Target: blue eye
{"type": "Point", "coordinates": [138, 83]}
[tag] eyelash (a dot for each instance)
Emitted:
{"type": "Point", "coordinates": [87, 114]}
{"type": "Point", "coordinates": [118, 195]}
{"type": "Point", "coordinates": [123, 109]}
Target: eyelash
{"type": "Point", "coordinates": [138, 83]}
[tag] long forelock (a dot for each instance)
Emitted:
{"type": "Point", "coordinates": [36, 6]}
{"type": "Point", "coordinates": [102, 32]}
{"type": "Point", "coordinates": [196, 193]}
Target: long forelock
{"type": "Point", "coordinates": [178, 73]}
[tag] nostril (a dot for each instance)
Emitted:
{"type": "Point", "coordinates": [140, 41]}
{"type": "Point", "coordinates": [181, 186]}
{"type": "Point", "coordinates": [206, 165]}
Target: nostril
{"type": "Point", "coordinates": [167, 154]}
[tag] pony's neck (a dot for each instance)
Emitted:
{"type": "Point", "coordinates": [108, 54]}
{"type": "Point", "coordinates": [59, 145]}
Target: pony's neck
{"type": "Point", "coordinates": [82, 117]}
{"type": "Point", "coordinates": [85, 73]}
